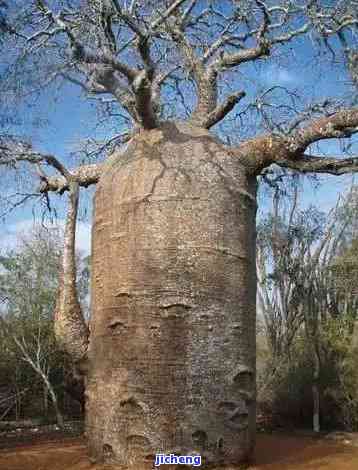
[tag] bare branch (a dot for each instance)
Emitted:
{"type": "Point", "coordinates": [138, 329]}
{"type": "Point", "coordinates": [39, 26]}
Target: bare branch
{"type": "Point", "coordinates": [13, 151]}
{"type": "Point", "coordinates": [80, 52]}
{"type": "Point", "coordinates": [289, 151]}
{"type": "Point", "coordinates": [262, 48]}
{"type": "Point", "coordinates": [221, 111]}
{"type": "Point", "coordinates": [313, 164]}
{"type": "Point", "coordinates": [290, 35]}
{"type": "Point", "coordinates": [186, 14]}
{"type": "Point", "coordinates": [246, 55]}
{"type": "Point", "coordinates": [128, 19]}
{"type": "Point", "coordinates": [167, 13]}
{"type": "Point", "coordinates": [85, 175]}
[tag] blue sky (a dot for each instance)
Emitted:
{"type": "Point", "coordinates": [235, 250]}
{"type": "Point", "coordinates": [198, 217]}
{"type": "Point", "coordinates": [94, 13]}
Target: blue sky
{"type": "Point", "coordinates": [72, 118]}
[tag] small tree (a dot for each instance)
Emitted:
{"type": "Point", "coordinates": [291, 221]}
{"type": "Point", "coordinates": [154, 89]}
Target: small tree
{"type": "Point", "coordinates": [28, 289]}
{"type": "Point", "coordinates": [296, 250]}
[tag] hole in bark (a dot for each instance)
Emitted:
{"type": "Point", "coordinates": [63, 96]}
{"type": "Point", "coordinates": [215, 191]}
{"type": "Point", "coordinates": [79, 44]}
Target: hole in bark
{"type": "Point", "coordinates": [241, 372]}
{"type": "Point", "coordinates": [240, 420]}
{"type": "Point", "coordinates": [122, 294]}
{"type": "Point", "coordinates": [220, 443]}
{"type": "Point", "coordinates": [131, 405]}
{"type": "Point", "coordinates": [227, 406]}
{"type": "Point", "coordinates": [107, 451]}
{"type": "Point", "coordinates": [115, 324]}
{"type": "Point", "coordinates": [243, 376]}
{"type": "Point", "coordinates": [200, 438]}
{"type": "Point", "coordinates": [174, 310]}
{"type": "Point", "coordinates": [204, 315]}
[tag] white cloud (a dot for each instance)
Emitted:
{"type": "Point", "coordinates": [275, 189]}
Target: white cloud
{"type": "Point", "coordinates": [279, 76]}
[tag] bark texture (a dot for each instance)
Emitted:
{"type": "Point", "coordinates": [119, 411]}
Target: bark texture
{"type": "Point", "coordinates": [172, 346]}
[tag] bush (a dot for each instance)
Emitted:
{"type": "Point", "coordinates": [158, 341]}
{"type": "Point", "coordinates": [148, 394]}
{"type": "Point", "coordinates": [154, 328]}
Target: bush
{"type": "Point", "coordinates": [284, 383]}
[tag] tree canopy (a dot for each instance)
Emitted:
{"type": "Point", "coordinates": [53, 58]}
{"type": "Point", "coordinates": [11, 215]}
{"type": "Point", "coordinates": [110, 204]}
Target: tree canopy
{"type": "Point", "coordinates": [144, 63]}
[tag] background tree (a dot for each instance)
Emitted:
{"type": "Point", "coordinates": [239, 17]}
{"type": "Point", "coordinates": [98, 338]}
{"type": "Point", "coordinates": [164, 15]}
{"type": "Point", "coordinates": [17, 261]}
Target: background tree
{"type": "Point", "coordinates": [173, 266]}
{"type": "Point", "coordinates": [28, 289]}
{"type": "Point", "coordinates": [300, 294]}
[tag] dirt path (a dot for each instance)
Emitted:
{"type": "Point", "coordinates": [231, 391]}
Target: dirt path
{"type": "Point", "coordinates": [274, 452]}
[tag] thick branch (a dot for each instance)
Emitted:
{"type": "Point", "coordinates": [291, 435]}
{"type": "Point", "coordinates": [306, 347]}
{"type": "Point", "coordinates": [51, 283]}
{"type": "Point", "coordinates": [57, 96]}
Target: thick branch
{"type": "Point", "coordinates": [289, 151]}
{"type": "Point", "coordinates": [313, 164]}
{"type": "Point", "coordinates": [142, 38]}
{"type": "Point", "coordinates": [85, 176]}
{"type": "Point", "coordinates": [264, 42]}
{"type": "Point", "coordinates": [344, 123]}
{"type": "Point", "coordinates": [221, 111]}
{"type": "Point", "coordinates": [261, 152]}
{"type": "Point", "coordinates": [142, 87]}
{"type": "Point", "coordinates": [13, 152]}
{"type": "Point", "coordinates": [246, 55]}
{"type": "Point", "coordinates": [205, 79]}
{"type": "Point", "coordinates": [128, 19]}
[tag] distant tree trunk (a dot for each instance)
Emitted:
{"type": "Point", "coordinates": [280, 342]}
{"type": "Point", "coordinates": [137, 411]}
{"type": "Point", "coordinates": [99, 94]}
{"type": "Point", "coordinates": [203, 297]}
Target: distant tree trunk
{"type": "Point", "coordinates": [74, 385]}
{"type": "Point", "coordinates": [59, 417]}
{"type": "Point", "coordinates": [171, 360]}
{"type": "Point", "coordinates": [53, 396]}
{"type": "Point", "coordinates": [18, 399]}
{"type": "Point", "coordinates": [315, 390]}
{"type": "Point", "coordinates": [355, 335]}
{"type": "Point", "coordinates": [45, 400]}
{"type": "Point", "coordinates": [311, 322]}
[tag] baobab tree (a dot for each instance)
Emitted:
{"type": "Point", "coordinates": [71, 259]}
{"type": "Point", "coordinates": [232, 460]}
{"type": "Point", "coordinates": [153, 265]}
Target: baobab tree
{"type": "Point", "coordinates": [170, 358]}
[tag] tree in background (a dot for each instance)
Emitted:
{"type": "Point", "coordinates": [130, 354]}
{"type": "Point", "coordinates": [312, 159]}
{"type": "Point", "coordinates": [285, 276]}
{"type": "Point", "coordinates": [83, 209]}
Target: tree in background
{"type": "Point", "coordinates": [170, 366]}
{"type": "Point", "coordinates": [299, 289]}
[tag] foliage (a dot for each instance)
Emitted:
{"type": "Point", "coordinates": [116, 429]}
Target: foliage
{"type": "Point", "coordinates": [28, 351]}
{"type": "Point", "coordinates": [307, 265]}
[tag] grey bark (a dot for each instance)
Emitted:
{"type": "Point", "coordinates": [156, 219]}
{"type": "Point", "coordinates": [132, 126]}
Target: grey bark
{"type": "Point", "coordinates": [172, 350]}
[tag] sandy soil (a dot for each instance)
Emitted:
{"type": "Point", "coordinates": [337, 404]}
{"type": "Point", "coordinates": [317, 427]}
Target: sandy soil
{"type": "Point", "coordinates": [273, 452]}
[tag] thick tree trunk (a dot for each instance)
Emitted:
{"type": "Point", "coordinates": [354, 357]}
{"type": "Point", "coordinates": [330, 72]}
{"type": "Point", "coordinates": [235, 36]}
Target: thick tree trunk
{"type": "Point", "coordinates": [172, 346]}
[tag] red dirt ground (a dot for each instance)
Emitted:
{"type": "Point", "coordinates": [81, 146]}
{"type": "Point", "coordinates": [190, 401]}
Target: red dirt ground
{"type": "Point", "coordinates": [274, 452]}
